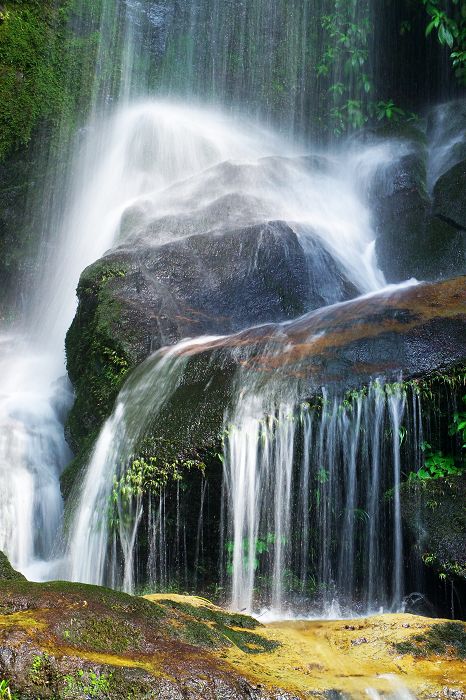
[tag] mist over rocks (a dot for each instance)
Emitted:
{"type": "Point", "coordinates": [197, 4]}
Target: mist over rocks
{"type": "Point", "coordinates": [417, 205]}
{"type": "Point", "coordinates": [214, 262]}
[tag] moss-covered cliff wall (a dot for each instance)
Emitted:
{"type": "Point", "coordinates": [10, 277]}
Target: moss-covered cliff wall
{"type": "Point", "coordinates": [48, 53]}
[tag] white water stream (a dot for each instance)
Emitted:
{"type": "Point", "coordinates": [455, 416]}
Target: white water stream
{"type": "Point", "coordinates": [167, 162]}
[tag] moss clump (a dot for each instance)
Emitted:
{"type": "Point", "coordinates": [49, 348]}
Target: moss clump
{"type": "Point", "coordinates": [214, 628]}
{"type": "Point", "coordinates": [46, 70]}
{"type": "Point", "coordinates": [98, 358]}
{"type": "Point", "coordinates": [215, 615]}
{"type": "Point", "coordinates": [30, 76]}
{"type": "Point", "coordinates": [446, 639]}
{"type": "Point", "coordinates": [7, 573]}
{"type": "Point", "coordinates": [102, 634]}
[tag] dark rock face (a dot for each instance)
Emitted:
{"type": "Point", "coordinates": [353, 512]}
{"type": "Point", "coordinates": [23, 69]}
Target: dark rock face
{"type": "Point", "coordinates": [435, 514]}
{"type": "Point", "coordinates": [419, 235]}
{"type": "Point", "coordinates": [450, 197]}
{"type": "Point", "coordinates": [135, 301]}
{"type": "Point", "coordinates": [408, 333]}
{"type": "Point", "coordinates": [18, 232]}
{"type": "Point", "coordinates": [220, 282]}
{"type": "Point", "coordinates": [447, 136]}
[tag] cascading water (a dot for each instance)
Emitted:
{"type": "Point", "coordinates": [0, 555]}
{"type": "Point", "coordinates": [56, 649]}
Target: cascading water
{"type": "Point", "coordinates": [32, 405]}
{"type": "Point", "coordinates": [34, 399]}
{"type": "Point", "coordinates": [305, 489]}
{"type": "Point", "coordinates": [319, 202]}
{"type": "Point", "coordinates": [91, 560]}
{"type": "Point", "coordinates": [158, 170]}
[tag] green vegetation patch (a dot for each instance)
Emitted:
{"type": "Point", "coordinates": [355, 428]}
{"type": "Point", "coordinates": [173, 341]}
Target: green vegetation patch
{"type": "Point", "coordinates": [446, 639]}
{"type": "Point", "coordinates": [7, 573]}
{"type": "Point", "coordinates": [212, 628]}
{"type": "Point", "coordinates": [46, 71]}
{"type": "Point", "coordinates": [102, 633]}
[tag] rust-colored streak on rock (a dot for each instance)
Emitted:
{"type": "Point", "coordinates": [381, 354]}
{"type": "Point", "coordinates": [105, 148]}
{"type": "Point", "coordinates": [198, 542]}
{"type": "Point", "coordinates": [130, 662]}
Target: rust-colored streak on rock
{"type": "Point", "coordinates": [323, 334]}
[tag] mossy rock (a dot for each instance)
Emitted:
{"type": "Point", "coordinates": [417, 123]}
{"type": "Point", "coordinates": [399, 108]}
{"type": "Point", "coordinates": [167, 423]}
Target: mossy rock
{"type": "Point", "coordinates": [434, 510]}
{"type": "Point", "coordinates": [444, 639]}
{"type": "Point", "coordinates": [63, 640]}
{"type": "Point", "coordinates": [98, 354]}
{"type": "Point", "coordinates": [7, 573]}
{"type": "Point", "coordinates": [73, 640]}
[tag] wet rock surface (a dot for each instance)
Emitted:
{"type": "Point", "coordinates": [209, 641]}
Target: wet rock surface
{"type": "Point", "coordinates": [62, 640]}
{"type": "Point", "coordinates": [449, 197]}
{"type": "Point", "coordinates": [407, 333]}
{"type": "Point", "coordinates": [134, 301]}
{"type": "Point", "coordinates": [418, 201]}
{"type": "Point", "coordinates": [435, 514]}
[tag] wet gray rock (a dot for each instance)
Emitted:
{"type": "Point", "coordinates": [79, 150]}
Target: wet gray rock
{"type": "Point", "coordinates": [136, 300]}
{"type": "Point", "coordinates": [450, 197]}
{"type": "Point", "coordinates": [419, 235]}
{"type": "Point", "coordinates": [411, 333]}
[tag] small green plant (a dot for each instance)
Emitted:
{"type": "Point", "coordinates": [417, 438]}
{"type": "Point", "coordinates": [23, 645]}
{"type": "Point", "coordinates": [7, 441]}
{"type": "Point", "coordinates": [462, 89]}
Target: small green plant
{"type": "Point", "coordinates": [450, 26]}
{"type": "Point", "coordinates": [436, 466]}
{"type": "Point", "coordinates": [36, 668]}
{"type": "Point", "coordinates": [388, 110]}
{"type": "Point", "coordinates": [262, 546]}
{"type": "Point", "coordinates": [5, 691]}
{"type": "Point", "coordinates": [458, 427]}
{"type": "Point", "coordinates": [89, 684]}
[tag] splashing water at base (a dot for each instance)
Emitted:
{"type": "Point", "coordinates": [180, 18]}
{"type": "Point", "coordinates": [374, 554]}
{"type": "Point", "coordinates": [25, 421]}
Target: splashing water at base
{"type": "Point", "coordinates": [32, 455]}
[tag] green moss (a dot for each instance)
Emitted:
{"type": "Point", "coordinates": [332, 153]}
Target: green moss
{"type": "Point", "coordinates": [219, 617]}
{"type": "Point", "coordinates": [30, 85]}
{"type": "Point", "coordinates": [46, 72]}
{"type": "Point", "coordinates": [97, 357]}
{"type": "Point", "coordinates": [434, 511]}
{"type": "Point", "coordinates": [102, 634]}
{"type": "Point", "coordinates": [447, 639]}
{"type": "Point", "coordinates": [213, 628]}
{"type": "Point", "coordinates": [248, 642]}
{"type": "Point", "coordinates": [7, 573]}
{"type": "Point", "coordinates": [77, 466]}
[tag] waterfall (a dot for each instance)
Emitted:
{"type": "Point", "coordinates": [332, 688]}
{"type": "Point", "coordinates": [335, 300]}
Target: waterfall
{"type": "Point", "coordinates": [90, 531]}
{"type": "Point", "coordinates": [196, 124]}
{"type": "Point", "coordinates": [32, 404]}
{"type": "Point", "coordinates": [35, 396]}
{"type": "Point", "coordinates": [182, 164]}
{"type": "Point", "coordinates": [309, 490]}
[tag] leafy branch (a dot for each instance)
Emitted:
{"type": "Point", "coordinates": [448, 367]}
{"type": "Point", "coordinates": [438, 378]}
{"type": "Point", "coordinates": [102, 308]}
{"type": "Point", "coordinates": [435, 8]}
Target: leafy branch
{"type": "Point", "coordinates": [451, 31]}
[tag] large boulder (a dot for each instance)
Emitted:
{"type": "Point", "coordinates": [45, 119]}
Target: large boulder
{"type": "Point", "coordinates": [138, 299]}
{"type": "Point", "coordinates": [407, 333]}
